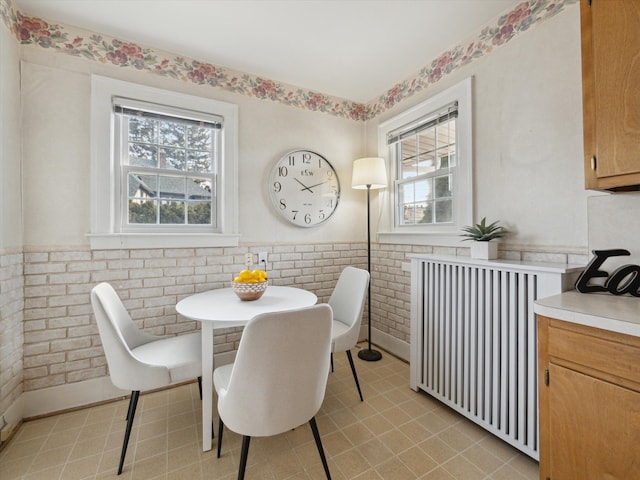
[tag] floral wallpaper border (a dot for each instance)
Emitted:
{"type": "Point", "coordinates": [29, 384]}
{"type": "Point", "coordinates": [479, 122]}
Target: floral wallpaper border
{"type": "Point", "coordinates": [108, 50]}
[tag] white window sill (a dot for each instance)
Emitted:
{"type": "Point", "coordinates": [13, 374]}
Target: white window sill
{"type": "Point", "coordinates": [114, 241]}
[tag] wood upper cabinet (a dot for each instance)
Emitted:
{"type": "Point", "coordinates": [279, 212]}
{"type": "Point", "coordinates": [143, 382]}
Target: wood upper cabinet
{"type": "Point", "coordinates": [611, 93]}
{"type": "Point", "coordinates": [589, 393]}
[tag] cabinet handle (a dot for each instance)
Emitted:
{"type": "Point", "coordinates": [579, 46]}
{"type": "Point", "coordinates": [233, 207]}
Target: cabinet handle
{"type": "Point", "coordinates": [594, 163]}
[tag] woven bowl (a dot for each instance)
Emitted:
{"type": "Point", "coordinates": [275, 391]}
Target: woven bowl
{"type": "Point", "coordinates": [250, 290]}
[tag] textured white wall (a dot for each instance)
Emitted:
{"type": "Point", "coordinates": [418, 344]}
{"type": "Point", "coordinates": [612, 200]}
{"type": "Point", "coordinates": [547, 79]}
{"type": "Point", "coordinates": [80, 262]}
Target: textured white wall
{"type": "Point", "coordinates": [57, 145]}
{"type": "Point", "coordinates": [527, 135]}
{"type": "Point", "coordinates": [10, 142]}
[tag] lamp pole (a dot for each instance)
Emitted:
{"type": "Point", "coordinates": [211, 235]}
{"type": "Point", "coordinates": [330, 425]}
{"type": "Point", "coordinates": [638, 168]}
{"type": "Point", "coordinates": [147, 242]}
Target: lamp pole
{"type": "Point", "coordinates": [369, 355]}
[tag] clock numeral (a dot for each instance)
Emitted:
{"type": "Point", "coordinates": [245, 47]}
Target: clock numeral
{"type": "Point", "coordinates": [306, 158]}
{"type": "Point", "coordinates": [329, 174]}
{"type": "Point", "coordinates": [283, 171]}
{"type": "Point", "coordinates": [283, 204]}
{"type": "Point", "coordinates": [277, 186]}
{"type": "Point", "coordinates": [295, 213]}
{"type": "Point", "coordinates": [307, 218]}
{"type": "Point", "coordinates": [292, 160]}
{"type": "Point", "coordinates": [330, 203]}
{"type": "Point", "coordinates": [321, 215]}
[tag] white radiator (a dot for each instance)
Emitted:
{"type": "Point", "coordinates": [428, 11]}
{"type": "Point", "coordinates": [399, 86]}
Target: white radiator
{"type": "Point", "coordinates": [474, 342]}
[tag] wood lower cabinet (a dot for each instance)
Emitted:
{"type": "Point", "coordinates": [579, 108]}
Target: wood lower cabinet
{"type": "Point", "coordinates": [611, 97]}
{"type": "Point", "coordinates": [589, 394]}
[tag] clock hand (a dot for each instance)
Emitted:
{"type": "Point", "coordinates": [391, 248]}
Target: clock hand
{"type": "Point", "coordinates": [311, 186]}
{"type": "Point", "coordinates": [305, 187]}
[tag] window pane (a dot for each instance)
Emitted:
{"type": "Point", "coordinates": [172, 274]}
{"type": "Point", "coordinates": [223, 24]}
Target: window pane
{"type": "Point", "coordinates": [172, 134]}
{"type": "Point", "coordinates": [426, 148]}
{"type": "Point", "coordinates": [424, 190]}
{"type": "Point", "coordinates": [427, 213]}
{"type": "Point", "coordinates": [142, 130]}
{"type": "Point", "coordinates": [199, 189]}
{"type": "Point", "coordinates": [172, 158]}
{"type": "Point", "coordinates": [199, 139]}
{"type": "Point", "coordinates": [172, 187]}
{"type": "Point", "coordinates": [199, 161]}
{"type": "Point", "coordinates": [141, 155]}
{"type": "Point", "coordinates": [407, 193]}
{"type": "Point", "coordinates": [143, 186]}
{"type": "Point", "coordinates": [142, 211]}
{"type": "Point", "coordinates": [172, 212]}
{"type": "Point", "coordinates": [443, 186]}
{"type": "Point", "coordinates": [444, 211]}
{"type": "Point", "coordinates": [199, 213]}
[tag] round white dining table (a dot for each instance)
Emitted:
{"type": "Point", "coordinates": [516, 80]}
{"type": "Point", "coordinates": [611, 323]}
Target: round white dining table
{"type": "Point", "coordinates": [222, 308]}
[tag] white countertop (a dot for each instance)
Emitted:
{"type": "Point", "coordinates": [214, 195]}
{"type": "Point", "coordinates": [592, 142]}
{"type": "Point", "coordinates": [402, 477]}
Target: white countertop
{"type": "Point", "coordinates": [617, 313]}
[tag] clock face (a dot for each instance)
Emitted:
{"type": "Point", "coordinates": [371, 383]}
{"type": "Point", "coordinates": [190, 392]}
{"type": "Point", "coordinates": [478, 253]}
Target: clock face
{"type": "Point", "coordinates": [304, 188]}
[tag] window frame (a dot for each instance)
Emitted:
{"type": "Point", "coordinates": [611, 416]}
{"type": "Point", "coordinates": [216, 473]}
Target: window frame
{"type": "Point", "coordinates": [107, 230]}
{"type": "Point", "coordinates": [432, 234]}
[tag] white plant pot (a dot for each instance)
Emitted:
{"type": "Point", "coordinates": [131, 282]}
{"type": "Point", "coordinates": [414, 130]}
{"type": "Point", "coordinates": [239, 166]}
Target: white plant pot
{"type": "Point", "coordinates": [484, 250]}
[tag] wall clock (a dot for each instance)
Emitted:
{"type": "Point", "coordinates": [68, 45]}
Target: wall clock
{"type": "Point", "coordinates": [304, 188]}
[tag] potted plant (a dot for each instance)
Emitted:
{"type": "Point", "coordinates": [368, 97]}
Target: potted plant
{"type": "Point", "coordinates": [481, 234]}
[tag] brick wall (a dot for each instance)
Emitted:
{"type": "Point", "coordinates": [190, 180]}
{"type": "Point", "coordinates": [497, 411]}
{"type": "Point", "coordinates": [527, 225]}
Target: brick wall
{"type": "Point", "coordinates": [11, 337]}
{"type": "Point", "coordinates": [61, 340]}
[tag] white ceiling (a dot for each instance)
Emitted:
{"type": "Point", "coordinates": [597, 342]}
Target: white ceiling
{"type": "Point", "coordinates": [354, 49]}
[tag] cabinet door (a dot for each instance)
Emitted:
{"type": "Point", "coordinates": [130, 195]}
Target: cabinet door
{"type": "Point", "coordinates": [611, 92]}
{"type": "Point", "coordinates": [594, 428]}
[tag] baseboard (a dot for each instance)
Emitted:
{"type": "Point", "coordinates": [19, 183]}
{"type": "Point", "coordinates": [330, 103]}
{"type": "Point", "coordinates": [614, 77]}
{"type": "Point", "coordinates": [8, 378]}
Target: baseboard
{"type": "Point", "coordinates": [387, 342]}
{"type": "Point", "coordinates": [46, 401]}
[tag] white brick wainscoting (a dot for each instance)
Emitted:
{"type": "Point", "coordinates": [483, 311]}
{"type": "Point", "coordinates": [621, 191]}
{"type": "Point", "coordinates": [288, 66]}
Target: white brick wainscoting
{"type": "Point", "coordinates": [11, 337]}
{"type": "Point", "coordinates": [51, 354]}
{"type": "Point", "coordinates": [63, 357]}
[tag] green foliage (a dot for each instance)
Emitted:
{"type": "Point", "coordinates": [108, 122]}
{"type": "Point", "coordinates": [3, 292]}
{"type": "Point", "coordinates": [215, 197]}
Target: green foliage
{"type": "Point", "coordinates": [171, 213]}
{"type": "Point", "coordinates": [481, 232]}
{"type": "Point", "coordinates": [142, 212]}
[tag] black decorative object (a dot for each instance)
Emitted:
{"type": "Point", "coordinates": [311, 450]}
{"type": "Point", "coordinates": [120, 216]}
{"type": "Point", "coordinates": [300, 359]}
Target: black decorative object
{"type": "Point", "coordinates": [623, 280]}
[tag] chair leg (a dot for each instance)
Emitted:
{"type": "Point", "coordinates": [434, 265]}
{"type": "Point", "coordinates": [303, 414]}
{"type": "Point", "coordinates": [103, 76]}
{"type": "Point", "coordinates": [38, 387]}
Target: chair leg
{"type": "Point", "coordinates": [133, 403]}
{"type": "Point", "coordinates": [243, 456]}
{"type": "Point", "coordinates": [332, 362]}
{"type": "Point", "coordinates": [220, 429]}
{"type": "Point", "coordinates": [129, 409]}
{"type": "Point", "coordinates": [200, 387]}
{"type": "Point", "coordinates": [316, 436]}
{"type": "Point", "coordinates": [355, 375]}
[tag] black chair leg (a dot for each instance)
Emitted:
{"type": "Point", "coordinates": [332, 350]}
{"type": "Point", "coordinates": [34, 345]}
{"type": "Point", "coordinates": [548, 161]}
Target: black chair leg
{"type": "Point", "coordinates": [316, 436]}
{"type": "Point", "coordinates": [355, 375]}
{"type": "Point", "coordinates": [220, 429]}
{"type": "Point", "coordinates": [243, 456]}
{"type": "Point", "coordinates": [331, 361]}
{"type": "Point", "coordinates": [200, 387]}
{"type": "Point", "coordinates": [129, 409]}
{"type": "Point", "coordinates": [133, 403]}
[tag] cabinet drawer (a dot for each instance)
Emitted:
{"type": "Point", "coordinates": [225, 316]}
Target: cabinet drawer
{"type": "Point", "coordinates": [610, 354]}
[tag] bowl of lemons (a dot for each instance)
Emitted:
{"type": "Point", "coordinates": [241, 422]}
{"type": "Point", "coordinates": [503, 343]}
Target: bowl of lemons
{"type": "Point", "coordinates": [250, 284]}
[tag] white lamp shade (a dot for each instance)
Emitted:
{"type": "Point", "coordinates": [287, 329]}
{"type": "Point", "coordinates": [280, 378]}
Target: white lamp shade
{"type": "Point", "coordinates": [369, 172]}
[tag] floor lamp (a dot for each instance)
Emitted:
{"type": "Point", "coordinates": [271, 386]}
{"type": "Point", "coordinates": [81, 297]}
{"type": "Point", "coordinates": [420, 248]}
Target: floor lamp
{"type": "Point", "coordinates": [369, 173]}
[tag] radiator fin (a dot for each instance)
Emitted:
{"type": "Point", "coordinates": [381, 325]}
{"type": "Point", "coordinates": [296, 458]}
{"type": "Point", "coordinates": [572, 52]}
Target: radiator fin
{"type": "Point", "coordinates": [479, 354]}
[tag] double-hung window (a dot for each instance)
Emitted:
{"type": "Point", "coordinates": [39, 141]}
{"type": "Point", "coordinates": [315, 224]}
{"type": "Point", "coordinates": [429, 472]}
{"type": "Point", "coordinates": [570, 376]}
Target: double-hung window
{"type": "Point", "coordinates": [425, 160]}
{"type": "Point", "coordinates": [164, 168]}
{"type": "Point", "coordinates": [429, 152]}
{"type": "Point", "coordinates": [169, 162]}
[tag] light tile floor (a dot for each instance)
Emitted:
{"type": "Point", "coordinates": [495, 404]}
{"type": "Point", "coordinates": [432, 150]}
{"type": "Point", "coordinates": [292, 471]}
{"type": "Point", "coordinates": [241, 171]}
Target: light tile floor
{"type": "Point", "coordinates": [395, 433]}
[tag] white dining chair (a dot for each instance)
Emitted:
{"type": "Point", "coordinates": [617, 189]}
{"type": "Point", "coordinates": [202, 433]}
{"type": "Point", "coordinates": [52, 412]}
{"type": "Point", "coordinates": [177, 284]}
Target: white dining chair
{"type": "Point", "coordinates": [347, 303]}
{"type": "Point", "coordinates": [278, 379]}
{"type": "Point", "coordinates": [137, 360]}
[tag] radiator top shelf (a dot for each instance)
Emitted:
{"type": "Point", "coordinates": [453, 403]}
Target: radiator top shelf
{"type": "Point", "coordinates": [521, 265]}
